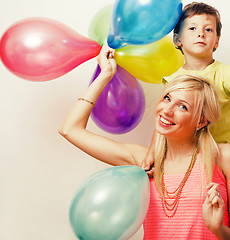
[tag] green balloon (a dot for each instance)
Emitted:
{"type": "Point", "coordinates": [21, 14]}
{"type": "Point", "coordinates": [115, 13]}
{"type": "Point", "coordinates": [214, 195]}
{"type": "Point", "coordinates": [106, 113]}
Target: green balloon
{"type": "Point", "coordinates": [100, 25]}
{"type": "Point", "coordinates": [111, 204]}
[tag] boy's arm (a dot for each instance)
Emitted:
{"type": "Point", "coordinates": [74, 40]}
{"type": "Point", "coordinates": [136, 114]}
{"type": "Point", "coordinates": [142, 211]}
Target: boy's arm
{"type": "Point", "coordinates": [148, 162]}
{"type": "Point", "coordinates": [226, 80]}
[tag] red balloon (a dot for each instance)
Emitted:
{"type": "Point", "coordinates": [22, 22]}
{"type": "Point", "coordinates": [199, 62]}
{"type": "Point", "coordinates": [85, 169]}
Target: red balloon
{"type": "Point", "coordinates": [41, 49]}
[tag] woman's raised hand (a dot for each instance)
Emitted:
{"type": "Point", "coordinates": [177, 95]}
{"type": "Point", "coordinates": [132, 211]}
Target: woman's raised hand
{"type": "Point", "coordinates": [213, 209]}
{"type": "Point", "coordinates": [107, 62]}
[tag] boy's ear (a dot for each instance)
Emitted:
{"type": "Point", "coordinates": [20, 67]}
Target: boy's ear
{"type": "Point", "coordinates": [176, 40]}
{"type": "Point", "coordinates": [217, 43]}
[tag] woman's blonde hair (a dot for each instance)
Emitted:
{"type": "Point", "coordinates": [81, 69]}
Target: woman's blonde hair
{"type": "Point", "coordinates": [207, 107]}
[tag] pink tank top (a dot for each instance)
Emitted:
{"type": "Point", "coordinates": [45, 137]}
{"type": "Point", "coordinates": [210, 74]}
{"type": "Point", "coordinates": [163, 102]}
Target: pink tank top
{"type": "Point", "coordinates": [187, 223]}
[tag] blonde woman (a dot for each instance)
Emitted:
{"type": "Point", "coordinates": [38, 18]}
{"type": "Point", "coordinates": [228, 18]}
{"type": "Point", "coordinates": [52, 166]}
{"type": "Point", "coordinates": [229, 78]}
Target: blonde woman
{"type": "Point", "coordinates": [189, 190]}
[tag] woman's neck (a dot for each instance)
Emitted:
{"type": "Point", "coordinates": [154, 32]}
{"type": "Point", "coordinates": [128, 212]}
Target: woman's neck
{"type": "Point", "coordinates": [179, 155]}
{"type": "Point", "coordinates": [179, 158]}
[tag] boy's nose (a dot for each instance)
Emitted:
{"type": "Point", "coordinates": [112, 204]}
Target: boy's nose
{"type": "Point", "coordinates": [201, 35]}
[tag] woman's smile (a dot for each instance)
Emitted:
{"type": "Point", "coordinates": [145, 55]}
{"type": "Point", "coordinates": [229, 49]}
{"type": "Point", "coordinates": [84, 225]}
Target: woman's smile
{"type": "Point", "coordinates": [165, 121]}
{"type": "Point", "coordinates": [174, 113]}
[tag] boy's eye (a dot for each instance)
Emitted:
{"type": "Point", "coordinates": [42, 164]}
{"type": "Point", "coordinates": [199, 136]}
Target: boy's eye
{"type": "Point", "coordinates": [208, 29]}
{"type": "Point", "coordinates": [192, 28]}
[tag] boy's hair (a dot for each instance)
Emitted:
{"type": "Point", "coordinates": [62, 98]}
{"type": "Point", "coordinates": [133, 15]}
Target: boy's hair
{"type": "Point", "coordinates": [198, 8]}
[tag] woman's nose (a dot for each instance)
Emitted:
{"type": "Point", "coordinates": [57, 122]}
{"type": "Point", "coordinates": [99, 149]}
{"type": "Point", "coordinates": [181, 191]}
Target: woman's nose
{"type": "Point", "coordinates": [169, 110]}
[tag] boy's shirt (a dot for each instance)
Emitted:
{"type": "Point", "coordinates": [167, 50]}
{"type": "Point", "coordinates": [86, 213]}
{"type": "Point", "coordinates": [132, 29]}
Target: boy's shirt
{"type": "Point", "coordinates": [217, 74]}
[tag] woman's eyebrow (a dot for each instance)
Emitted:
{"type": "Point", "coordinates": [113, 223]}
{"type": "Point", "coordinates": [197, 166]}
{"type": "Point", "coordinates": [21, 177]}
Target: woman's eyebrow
{"type": "Point", "coordinates": [179, 99]}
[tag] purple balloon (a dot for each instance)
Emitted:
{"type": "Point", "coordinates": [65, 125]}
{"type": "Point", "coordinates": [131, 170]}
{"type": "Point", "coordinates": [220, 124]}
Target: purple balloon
{"type": "Point", "coordinates": [121, 105]}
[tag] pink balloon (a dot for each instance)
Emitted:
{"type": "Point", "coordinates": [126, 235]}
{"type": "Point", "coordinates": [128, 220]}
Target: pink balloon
{"type": "Point", "coordinates": [41, 49]}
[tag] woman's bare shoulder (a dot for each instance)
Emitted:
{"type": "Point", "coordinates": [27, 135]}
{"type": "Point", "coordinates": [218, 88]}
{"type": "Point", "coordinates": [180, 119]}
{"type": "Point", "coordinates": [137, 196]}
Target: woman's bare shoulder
{"type": "Point", "coordinates": [224, 149]}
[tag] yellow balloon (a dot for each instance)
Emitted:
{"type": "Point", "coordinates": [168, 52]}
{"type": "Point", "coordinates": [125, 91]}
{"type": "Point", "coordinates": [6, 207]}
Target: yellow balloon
{"type": "Point", "coordinates": [150, 63]}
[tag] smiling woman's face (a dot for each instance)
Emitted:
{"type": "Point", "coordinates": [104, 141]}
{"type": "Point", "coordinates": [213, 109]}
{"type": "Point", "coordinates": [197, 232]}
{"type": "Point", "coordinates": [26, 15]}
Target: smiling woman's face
{"type": "Point", "coordinates": [175, 115]}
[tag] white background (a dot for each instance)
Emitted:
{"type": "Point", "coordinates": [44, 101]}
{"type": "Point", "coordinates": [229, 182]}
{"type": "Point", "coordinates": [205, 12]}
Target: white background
{"type": "Point", "coordinates": [39, 170]}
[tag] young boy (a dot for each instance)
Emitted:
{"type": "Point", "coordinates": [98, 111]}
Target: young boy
{"type": "Point", "coordinates": [197, 36]}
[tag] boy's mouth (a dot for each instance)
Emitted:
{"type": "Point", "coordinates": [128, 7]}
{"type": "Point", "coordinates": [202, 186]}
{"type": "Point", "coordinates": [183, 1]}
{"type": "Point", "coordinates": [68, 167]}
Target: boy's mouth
{"type": "Point", "coordinates": [200, 43]}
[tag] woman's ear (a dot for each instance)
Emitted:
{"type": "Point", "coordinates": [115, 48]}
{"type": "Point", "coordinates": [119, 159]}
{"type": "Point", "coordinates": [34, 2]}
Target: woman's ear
{"type": "Point", "coordinates": [176, 40]}
{"type": "Point", "coordinates": [203, 123]}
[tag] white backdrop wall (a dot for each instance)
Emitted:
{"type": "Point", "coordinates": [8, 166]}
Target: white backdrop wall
{"type": "Point", "coordinates": [39, 170]}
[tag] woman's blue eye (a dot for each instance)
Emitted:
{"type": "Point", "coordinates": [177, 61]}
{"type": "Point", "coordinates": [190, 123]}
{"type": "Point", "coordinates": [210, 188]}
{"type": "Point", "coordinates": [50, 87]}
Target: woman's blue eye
{"type": "Point", "coordinates": [183, 107]}
{"type": "Point", "coordinates": [167, 98]}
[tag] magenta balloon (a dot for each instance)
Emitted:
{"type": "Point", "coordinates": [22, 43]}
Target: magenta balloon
{"type": "Point", "coordinates": [121, 105]}
{"type": "Point", "coordinates": [41, 49]}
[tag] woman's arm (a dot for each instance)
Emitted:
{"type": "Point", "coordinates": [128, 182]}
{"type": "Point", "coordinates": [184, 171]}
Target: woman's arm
{"type": "Point", "coordinates": [74, 126]}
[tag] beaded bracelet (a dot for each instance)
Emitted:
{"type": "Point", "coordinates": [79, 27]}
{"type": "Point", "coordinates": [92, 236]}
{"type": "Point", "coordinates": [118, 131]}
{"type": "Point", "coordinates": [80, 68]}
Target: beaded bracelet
{"type": "Point", "coordinates": [83, 99]}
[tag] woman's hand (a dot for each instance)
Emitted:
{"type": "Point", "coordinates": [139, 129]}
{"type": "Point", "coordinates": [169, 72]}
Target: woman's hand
{"type": "Point", "coordinates": [148, 165]}
{"type": "Point", "coordinates": [213, 209]}
{"type": "Point", "coordinates": [107, 62]}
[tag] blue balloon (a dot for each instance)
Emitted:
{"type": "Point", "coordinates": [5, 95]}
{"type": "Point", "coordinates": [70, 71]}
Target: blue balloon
{"type": "Point", "coordinates": [111, 204]}
{"type": "Point", "coordinates": [135, 22]}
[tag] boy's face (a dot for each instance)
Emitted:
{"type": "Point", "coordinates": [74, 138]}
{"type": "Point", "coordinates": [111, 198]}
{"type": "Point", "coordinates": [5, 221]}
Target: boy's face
{"type": "Point", "coordinates": [198, 36]}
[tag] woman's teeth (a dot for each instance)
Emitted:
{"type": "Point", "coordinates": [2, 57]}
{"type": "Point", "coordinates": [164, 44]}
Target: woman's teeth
{"type": "Point", "coordinates": [165, 121]}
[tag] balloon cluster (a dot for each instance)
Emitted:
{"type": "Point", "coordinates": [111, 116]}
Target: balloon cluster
{"type": "Point", "coordinates": [138, 31]}
{"type": "Point", "coordinates": [41, 49]}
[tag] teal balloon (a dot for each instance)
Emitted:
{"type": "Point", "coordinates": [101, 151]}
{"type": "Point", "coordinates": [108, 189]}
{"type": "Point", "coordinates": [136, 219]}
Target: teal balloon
{"type": "Point", "coordinates": [135, 22]}
{"type": "Point", "coordinates": [111, 204]}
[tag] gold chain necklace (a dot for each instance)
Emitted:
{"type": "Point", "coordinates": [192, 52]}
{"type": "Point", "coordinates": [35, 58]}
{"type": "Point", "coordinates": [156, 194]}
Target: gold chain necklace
{"type": "Point", "coordinates": [172, 207]}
